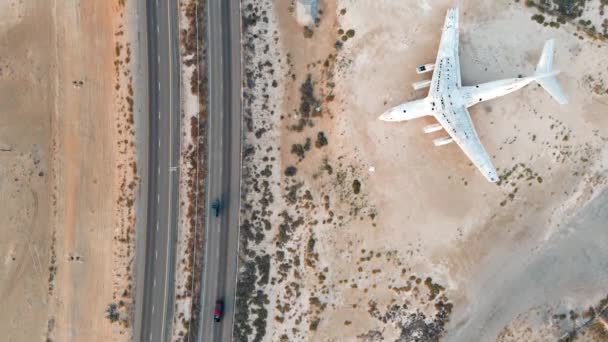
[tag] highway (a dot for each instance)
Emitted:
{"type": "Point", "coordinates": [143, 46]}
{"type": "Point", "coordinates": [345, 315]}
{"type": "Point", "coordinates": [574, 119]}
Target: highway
{"type": "Point", "coordinates": [224, 167]}
{"type": "Point", "coordinates": [164, 126]}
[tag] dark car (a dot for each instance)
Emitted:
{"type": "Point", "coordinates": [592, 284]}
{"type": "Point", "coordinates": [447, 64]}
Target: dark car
{"type": "Point", "coordinates": [218, 311]}
{"type": "Point", "coordinates": [216, 206]}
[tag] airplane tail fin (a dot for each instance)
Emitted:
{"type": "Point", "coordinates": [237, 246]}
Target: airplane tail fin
{"type": "Point", "coordinates": [545, 75]}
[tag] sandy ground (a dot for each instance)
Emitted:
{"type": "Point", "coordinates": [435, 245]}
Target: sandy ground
{"type": "Point", "coordinates": [69, 170]}
{"type": "Point", "coordinates": [95, 181]}
{"type": "Point", "coordinates": [27, 101]}
{"type": "Point", "coordinates": [379, 234]}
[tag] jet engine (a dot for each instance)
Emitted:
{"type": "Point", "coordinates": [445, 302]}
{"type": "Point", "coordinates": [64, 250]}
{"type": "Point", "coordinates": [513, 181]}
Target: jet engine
{"type": "Point", "coordinates": [421, 69]}
{"type": "Point", "coordinates": [421, 84]}
{"type": "Point", "coordinates": [442, 141]}
{"type": "Point", "coordinates": [432, 128]}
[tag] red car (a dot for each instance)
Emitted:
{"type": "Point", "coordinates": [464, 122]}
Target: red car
{"type": "Point", "coordinates": [217, 312]}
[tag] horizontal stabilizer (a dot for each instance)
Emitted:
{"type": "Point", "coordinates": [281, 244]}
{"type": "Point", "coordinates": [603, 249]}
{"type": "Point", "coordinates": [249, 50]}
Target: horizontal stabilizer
{"type": "Point", "coordinates": [545, 76]}
{"type": "Point", "coordinates": [549, 83]}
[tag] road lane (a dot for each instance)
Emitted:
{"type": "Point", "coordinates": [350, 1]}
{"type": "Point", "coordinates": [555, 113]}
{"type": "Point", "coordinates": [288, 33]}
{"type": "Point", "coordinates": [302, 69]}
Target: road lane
{"type": "Point", "coordinates": [224, 167]}
{"type": "Point", "coordinates": [163, 55]}
{"type": "Point", "coordinates": [215, 175]}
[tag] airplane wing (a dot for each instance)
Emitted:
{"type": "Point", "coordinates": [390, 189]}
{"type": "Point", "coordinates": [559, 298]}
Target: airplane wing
{"type": "Point", "coordinates": [463, 132]}
{"type": "Point", "coordinates": [446, 75]}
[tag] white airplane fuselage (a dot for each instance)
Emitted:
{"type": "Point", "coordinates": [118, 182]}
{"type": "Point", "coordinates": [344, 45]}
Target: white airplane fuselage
{"type": "Point", "coordinates": [467, 96]}
{"type": "Point", "coordinates": [491, 90]}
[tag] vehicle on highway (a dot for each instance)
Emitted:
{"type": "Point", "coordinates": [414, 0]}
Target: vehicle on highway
{"type": "Point", "coordinates": [218, 311]}
{"type": "Point", "coordinates": [216, 206]}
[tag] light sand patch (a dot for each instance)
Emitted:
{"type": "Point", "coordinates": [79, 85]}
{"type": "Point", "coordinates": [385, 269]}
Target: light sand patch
{"type": "Point", "coordinates": [12, 12]}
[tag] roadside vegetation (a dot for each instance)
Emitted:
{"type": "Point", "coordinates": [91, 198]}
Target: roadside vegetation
{"type": "Point", "coordinates": [124, 235]}
{"type": "Point", "coordinates": [192, 170]}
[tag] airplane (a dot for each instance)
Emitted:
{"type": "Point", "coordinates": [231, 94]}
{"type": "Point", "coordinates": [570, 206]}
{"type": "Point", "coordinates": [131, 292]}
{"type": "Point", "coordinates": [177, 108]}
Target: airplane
{"type": "Point", "coordinates": [448, 100]}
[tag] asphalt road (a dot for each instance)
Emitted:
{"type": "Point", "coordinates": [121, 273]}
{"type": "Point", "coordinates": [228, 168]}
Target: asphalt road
{"type": "Point", "coordinates": [224, 167]}
{"type": "Point", "coordinates": [164, 107]}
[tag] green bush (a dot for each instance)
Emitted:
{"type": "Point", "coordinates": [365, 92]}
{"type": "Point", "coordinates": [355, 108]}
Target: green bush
{"type": "Point", "coordinates": [321, 140]}
{"type": "Point", "coordinates": [291, 171]}
{"type": "Point", "coordinates": [112, 312]}
{"type": "Point", "coordinates": [539, 18]}
{"type": "Point", "coordinates": [356, 186]}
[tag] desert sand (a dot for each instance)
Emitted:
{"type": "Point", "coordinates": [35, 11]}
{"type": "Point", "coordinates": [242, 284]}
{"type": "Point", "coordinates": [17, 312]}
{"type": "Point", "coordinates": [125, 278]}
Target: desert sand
{"type": "Point", "coordinates": [69, 170]}
{"type": "Point", "coordinates": [27, 101]}
{"type": "Point", "coordinates": [355, 229]}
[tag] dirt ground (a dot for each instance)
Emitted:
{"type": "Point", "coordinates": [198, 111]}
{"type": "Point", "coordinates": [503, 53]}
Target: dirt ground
{"type": "Point", "coordinates": [27, 101]}
{"type": "Point", "coordinates": [68, 170]}
{"type": "Point", "coordinates": [376, 234]}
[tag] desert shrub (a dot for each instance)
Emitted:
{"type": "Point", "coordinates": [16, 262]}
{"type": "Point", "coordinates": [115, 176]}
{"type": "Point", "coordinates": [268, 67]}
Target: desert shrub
{"type": "Point", "coordinates": [244, 291]}
{"type": "Point", "coordinates": [539, 18]}
{"type": "Point", "coordinates": [308, 32]}
{"type": "Point", "coordinates": [310, 246]}
{"type": "Point", "coordinates": [291, 171]}
{"type": "Point", "coordinates": [263, 263]}
{"type": "Point", "coordinates": [267, 172]}
{"type": "Point", "coordinates": [308, 101]}
{"type": "Point", "coordinates": [321, 140]}
{"type": "Point", "coordinates": [112, 312]}
{"type": "Point", "coordinates": [314, 324]}
{"type": "Point", "coordinates": [298, 150]}
{"type": "Point", "coordinates": [434, 289]}
{"type": "Point", "coordinates": [248, 150]}
{"type": "Point", "coordinates": [356, 186]}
